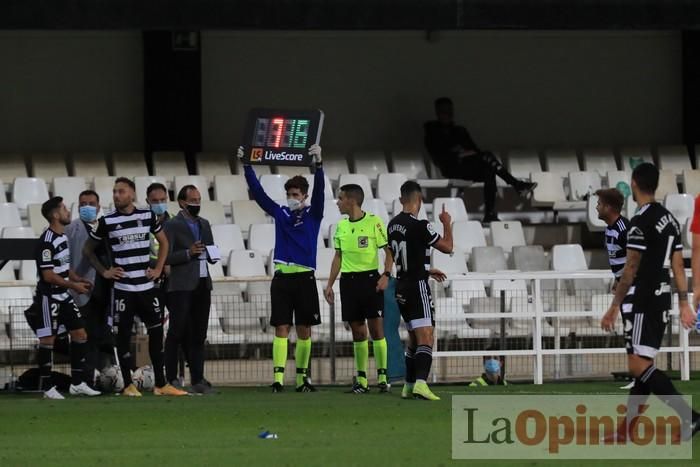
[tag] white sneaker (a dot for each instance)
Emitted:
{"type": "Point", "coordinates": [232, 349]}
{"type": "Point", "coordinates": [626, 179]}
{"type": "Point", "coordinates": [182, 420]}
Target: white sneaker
{"type": "Point", "coordinates": [53, 394]}
{"type": "Point", "coordinates": [83, 390]}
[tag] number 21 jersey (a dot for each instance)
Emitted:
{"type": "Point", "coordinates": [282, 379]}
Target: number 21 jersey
{"type": "Point", "coordinates": [410, 240]}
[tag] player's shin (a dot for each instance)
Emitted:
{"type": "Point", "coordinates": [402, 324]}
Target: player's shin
{"type": "Point", "coordinates": [155, 351]}
{"type": "Point", "coordinates": [424, 360]}
{"type": "Point", "coordinates": [78, 350]}
{"type": "Point", "coordinates": [45, 362]}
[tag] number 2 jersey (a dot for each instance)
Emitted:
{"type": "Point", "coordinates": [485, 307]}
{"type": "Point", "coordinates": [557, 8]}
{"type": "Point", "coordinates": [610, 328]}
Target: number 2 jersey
{"type": "Point", "coordinates": [410, 240]}
{"type": "Point", "coordinates": [656, 234]}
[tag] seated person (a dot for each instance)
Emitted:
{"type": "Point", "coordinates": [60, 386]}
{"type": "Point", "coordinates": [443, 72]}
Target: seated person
{"type": "Point", "coordinates": [492, 375]}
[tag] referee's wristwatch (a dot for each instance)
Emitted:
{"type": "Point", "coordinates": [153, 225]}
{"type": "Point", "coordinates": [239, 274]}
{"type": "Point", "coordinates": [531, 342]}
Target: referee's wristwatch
{"type": "Point", "coordinates": [386, 273]}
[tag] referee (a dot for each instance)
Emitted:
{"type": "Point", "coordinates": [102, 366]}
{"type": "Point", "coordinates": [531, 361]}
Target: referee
{"type": "Point", "coordinates": [293, 292]}
{"type": "Point", "coordinates": [357, 240]}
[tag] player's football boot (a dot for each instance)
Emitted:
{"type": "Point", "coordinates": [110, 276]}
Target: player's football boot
{"type": "Point", "coordinates": [83, 389]}
{"type": "Point", "coordinates": [357, 388]}
{"type": "Point", "coordinates": [131, 391]}
{"type": "Point", "coordinates": [384, 387]}
{"type": "Point", "coordinates": [53, 394]}
{"type": "Point", "coordinates": [277, 387]}
{"type": "Point", "coordinates": [422, 391]}
{"type": "Point", "coordinates": [407, 391]}
{"type": "Point", "coordinates": [168, 390]}
{"type": "Point", "coordinates": [306, 386]}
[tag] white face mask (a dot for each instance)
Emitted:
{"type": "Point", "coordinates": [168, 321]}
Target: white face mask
{"type": "Point", "coordinates": [294, 204]}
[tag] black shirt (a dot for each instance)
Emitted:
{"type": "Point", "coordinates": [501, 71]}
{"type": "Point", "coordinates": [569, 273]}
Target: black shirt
{"type": "Point", "coordinates": [444, 142]}
{"type": "Point", "coordinates": [53, 254]}
{"type": "Point", "coordinates": [616, 244]}
{"type": "Point", "coordinates": [656, 234]}
{"type": "Point", "coordinates": [410, 240]}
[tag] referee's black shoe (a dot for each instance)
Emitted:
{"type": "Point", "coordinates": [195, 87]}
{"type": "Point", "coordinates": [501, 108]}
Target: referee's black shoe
{"type": "Point", "coordinates": [277, 387]}
{"type": "Point", "coordinates": [306, 387]}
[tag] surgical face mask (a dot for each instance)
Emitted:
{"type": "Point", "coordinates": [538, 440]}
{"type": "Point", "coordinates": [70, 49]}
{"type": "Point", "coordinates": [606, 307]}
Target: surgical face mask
{"type": "Point", "coordinates": [87, 213]}
{"type": "Point", "coordinates": [492, 366]}
{"type": "Point", "coordinates": [293, 204]}
{"type": "Point", "coordinates": [159, 208]}
{"type": "Point", "coordinates": [193, 209]}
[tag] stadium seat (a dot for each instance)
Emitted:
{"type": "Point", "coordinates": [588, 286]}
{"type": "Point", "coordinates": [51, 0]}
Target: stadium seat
{"type": "Point", "coordinates": [454, 206]}
{"type": "Point", "coordinates": [69, 188]}
{"type": "Point", "coordinates": [674, 158]}
{"type": "Point", "coordinates": [357, 179]}
{"type": "Point", "coordinates": [9, 215]}
{"type": "Point", "coordinates": [568, 258]}
{"type": "Point", "coordinates": [530, 258]}
{"type": "Point", "coordinates": [466, 235]}
{"type": "Point", "coordinates": [3, 193]}
{"type": "Point", "coordinates": [245, 263]}
{"type": "Point", "coordinates": [227, 237]}
{"type": "Point", "coordinates": [687, 235]}
{"type": "Point", "coordinates": [549, 190]}
{"type": "Point", "coordinates": [411, 164]}
{"type": "Point", "coordinates": [599, 160]}
{"type": "Point", "coordinates": [27, 271]}
{"type": "Point", "coordinates": [142, 184]}
{"type": "Point", "coordinates": [104, 187]}
{"type": "Point", "coordinates": [488, 259]}
{"type": "Point", "coordinates": [169, 164]}
{"type": "Point", "coordinates": [521, 163]}
{"type": "Point", "coordinates": [214, 164]}
{"type": "Point", "coordinates": [335, 164]}
{"type": "Point", "coordinates": [327, 187]}
{"type": "Point", "coordinates": [274, 185]}
{"type": "Point", "coordinates": [331, 215]}
{"type": "Point", "coordinates": [245, 213]}
{"type": "Point", "coordinates": [200, 181]}
{"type": "Point", "coordinates": [291, 170]}
{"type": "Point", "coordinates": [397, 208]}
{"type": "Point", "coordinates": [594, 224]}
{"type": "Point", "coordinates": [370, 163]}
{"type": "Point", "coordinates": [27, 190]}
{"type": "Point", "coordinates": [582, 184]}
{"type": "Point", "coordinates": [389, 186]}
{"type": "Point", "coordinates": [129, 164]}
{"type": "Point", "coordinates": [36, 219]}
{"type": "Point", "coordinates": [12, 166]}
{"type": "Point", "coordinates": [681, 206]}
{"type": "Point", "coordinates": [18, 232]}
{"type": "Point", "coordinates": [691, 182]}
{"type": "Point", "coordinates": [89, 165]}
{"type": "Point", "coordinates": [511, 288]}
{"type": "Point", "coordinates": [667, 184]}
{"type": "Point", "coordinates": [466, 289]}
{"type": "Point", "coordinates": [451, 264]}
{"type": "Point", "coordinates": [229, 188]}
{"type": "Point", "coordinates": [48, 166]}
{"type": "Point", "coordinates": [261, 238]}
{"type": "Point", "coordinates": [324, 258]}
{"type": "Point", "coordinates": [631, 156]}
{"type": "Point", "coordinates": [507, 235]}
{"type": "Point", "coordinates": [561, 161]}
{"type": "Point", "coordinates": [616, 176]}
{"type": "Point", "coordinates": [213, 211]}
{"type": "Point", "coordinates": [378, 208]}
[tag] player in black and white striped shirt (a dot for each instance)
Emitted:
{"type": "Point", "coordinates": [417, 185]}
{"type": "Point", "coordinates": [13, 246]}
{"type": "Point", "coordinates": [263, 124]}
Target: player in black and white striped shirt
{"type": "Point", "coordinates": [53, 311]}
{"type": "Point", "coordinates": [127, 231]}
{"type": "Point", "coordinates": [609, 207]}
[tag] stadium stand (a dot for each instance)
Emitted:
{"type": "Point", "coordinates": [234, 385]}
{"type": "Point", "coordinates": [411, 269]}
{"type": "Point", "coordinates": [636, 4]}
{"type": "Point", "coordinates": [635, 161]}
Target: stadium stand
{"type": "Point", "coordinates": [129, 164]}
{"type": "Point", "coordinates": [89, 165]}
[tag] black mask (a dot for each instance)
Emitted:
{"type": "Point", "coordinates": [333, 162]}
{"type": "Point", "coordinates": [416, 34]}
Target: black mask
{"type": "Point", "coordinates": [193, 209]}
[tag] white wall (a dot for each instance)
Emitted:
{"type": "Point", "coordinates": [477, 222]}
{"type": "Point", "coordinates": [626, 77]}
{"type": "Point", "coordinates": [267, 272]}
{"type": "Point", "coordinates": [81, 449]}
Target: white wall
{"type": "Point", "coordinates": [510, 88]}
{"type": "Point", "coordinates": [70, 91]}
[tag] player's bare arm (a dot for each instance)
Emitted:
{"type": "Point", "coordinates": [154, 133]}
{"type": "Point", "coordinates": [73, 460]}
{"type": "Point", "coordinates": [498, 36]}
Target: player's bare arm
{"type": "Point", "coordinates": [634, 257]}
{"type": "Point", "coordinates": [695, 266]}
{"type": "Point", "coordinates": [445, 244]}
{"type": "Point", "coordinates": [52, 278]}
{"type": "Point", "coordinates": [686, 312]}
{"type": "Point", "coordinates": [89, 253]}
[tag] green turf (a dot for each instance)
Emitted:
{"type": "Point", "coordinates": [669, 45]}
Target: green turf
{"type": "Point", "coordinates": [328, 428]}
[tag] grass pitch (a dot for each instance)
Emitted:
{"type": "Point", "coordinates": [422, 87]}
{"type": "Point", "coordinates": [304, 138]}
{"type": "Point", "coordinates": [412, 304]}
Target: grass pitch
{"type": "Point", "coordinates": [328, 428]}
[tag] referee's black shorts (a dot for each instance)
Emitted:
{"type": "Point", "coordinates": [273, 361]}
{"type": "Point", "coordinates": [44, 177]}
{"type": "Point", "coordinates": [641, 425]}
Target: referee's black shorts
{"type": "Point", "coordinates": [359, 297]}
{"type": "Point", "coordinates": [294, 299]}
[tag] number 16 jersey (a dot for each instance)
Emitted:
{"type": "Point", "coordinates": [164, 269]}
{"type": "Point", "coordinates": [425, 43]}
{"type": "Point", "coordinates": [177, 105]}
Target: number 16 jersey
{"type": "Point", "coordinates": [410, 240]}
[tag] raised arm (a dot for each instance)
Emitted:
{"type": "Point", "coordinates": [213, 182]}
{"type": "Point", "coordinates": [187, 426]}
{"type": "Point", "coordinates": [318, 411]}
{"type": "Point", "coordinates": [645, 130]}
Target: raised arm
{"type": "Point", "coordinates": [318, 196]}
{"type": "Point", "coordinates": [264, 201]}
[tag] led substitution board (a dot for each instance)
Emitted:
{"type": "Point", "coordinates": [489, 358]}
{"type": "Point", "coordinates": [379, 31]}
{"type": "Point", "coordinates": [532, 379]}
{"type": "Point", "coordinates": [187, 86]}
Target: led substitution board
{"type": "Point", "coordinates": [281, 137]}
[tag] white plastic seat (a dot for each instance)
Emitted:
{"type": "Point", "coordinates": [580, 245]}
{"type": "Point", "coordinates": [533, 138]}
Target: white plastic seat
{"type": "Point", "coordinates": [142, 184]}
{"type": "Point", "coordinates": [667, 184]}
{"type": "Point", "coordinates": [549, 190]}
{"type": "Point", "coordinates": [370, 163]}
{"type": "Point", "coordinates": [245, 263]}
{"type": "Point", "coordinates": [378, 208]}
{"type": "Point", "coordinates": [327, 187]}
{"type": "Point", "coordinates": [27, 270]}
{"type": "Point", "coordinates": [632, 156]}
{"type": "Point", "coordinates": [200, 181]}
{"type": "Point", "coordinates": [89, 165]}
{"type": "Point", "coordinates": [227, 237]}
{"type": "Point", "coordinates": [583, 183]}
{"type": "Point", "coordinates": [324, 258]}
{"type": "Point", "coordinates": [213, 211]}
{"type": "Point", "coordinates": [409, 163]}
{"type": "Point", "coordinates": [422, 214]}
{"type": "Point", "coordinates": [568, 258]}
{"type": "Point", "coordinates": [357, 179]}
{"type": "Point", "coordinates": [335, 164]}
{"type": "Point", "coordinates": [36, 219]}
{"type": "Point", "coordinates": [213, 164]}
{"type": "Point", "coordinates": [169, 164]}
{"type": "Point", "coordinates": [12, 166]}
{"type": "Point", "coordinates": [594, 224]}
{"type": "Point", "coordinates": [687, 235]}
{"type": "Point", "coordinates": [69, 188]}
{"type": "Point", "coordinates": [616, 176]}
{"type": "Point", "coordinates": [104, 187]}
{"type": "Point", "coordinates": [450, 264]}
{"type": "Point", "coordinates": [27, 190]}
{"type": "Point", "coordinates": [521, 162]}
{"type": "Point", "coordinates": [48, 166]}
{"type": "Point", "coordinates": [261, 238]}
{"type": "Point", "coordinates": [273, 185]}
{"type": "Point", "coordinates": [129, 164]}
{"type": "Point", "coordinates": [488, 259]}
{"type": "Point", "coordinates": [507, 235]}
{"type": "Point", "coordinates": [389, 186]}
{"type": "Point", "coordinates": [561, 161]}
{"type": "Point", "coordinates": [681, 206]}
{"type": "Point", "coordinates": [331, 215]}
{"type": "Point", "coordinates": [3, 194]}
{"type": "Point", "coordinates": [292, 170]}
{"type": "Point", "coordinates": [691, 182]}
{"type": "Point", "coordinates": [229, 188]}
{"type": "Point", "coordinates": [530, 258]}
{"type": "Point", "coordinates": [674, 158]}
{"type": "Point", "coordinates": [18, 232]}
{"type": "Point", "coordinates": [9, 215]}
{"type": "Point", "coordinates": [247, 212]}
{"type": "Point", "coordinates": [511, 288]}
{"type": "Point", "coordinates": [466, 289]}
{"type": "Point", "coordinates": [467, 235]}
{"type": "Point", "coordinates": [601, 160]}
{"type": "Point", "coordinates": [455, 206]}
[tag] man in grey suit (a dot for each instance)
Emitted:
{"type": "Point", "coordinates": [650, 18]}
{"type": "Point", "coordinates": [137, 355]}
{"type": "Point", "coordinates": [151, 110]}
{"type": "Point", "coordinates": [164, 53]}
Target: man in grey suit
{"type": "Point", "coordinates": [189, 287]}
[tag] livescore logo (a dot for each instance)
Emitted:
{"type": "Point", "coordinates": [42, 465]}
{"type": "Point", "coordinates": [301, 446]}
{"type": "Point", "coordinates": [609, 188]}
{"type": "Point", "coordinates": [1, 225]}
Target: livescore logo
{"type": "Point", "coordinates": [261, 154]}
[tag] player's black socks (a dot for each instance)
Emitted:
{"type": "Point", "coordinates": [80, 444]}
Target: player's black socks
{"type": "Point", "coordinates": [78, 350]}
{"type": "Point", "coordinates": [155, 350]}
{"type": "Point", "coordinates": [424, 360]}
{"type": "Point", "coordinates": [410, 365]}
{"type": "Point", "coordinates": [661, 385]}
{"type": "Point", "coordinates": [44, 359]}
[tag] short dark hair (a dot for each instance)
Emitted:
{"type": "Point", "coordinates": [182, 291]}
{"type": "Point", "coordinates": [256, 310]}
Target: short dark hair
{"type": "Point", "coordinates": [440, 101]}
{"type": "Point", "coordinates": [48, 208]}
{"type": "Point", "coordinates": [127, 181]}
{"type": "Point", "coordinates": [89, 193]}
{"type": "Point", "coordinates": [182, 194]}
{"type": "Point", "coordinates": [612, 197]}
{"type": "Point", "coordinates": [156, 186]}
{"type": "Point", "coordinates": [299, 182]}
{"type": "Point", "coordinates": [410, 188]}
{"type": "Point", "coordinates": [646, 177]}
{"type": "Point", "coordinates": [354, 191]}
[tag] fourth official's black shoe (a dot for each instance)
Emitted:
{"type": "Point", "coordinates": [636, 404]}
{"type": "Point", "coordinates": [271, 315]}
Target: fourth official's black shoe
{"type": "Point", "coordinates": [306, 387]}
{"type": "Point", "coordinates": [277, 387]}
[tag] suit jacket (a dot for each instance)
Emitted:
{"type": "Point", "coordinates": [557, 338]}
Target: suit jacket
{"type": "Point", "coordinates": [184, 271]}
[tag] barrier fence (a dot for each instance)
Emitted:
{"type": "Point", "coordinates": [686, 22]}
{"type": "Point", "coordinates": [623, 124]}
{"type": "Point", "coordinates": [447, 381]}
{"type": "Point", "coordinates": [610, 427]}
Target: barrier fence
{"type": "Point", "coordinates": [545, 324]}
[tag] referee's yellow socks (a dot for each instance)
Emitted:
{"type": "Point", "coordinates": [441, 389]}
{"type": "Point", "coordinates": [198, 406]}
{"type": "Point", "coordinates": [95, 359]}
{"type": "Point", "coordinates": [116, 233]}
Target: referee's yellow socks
{"type": "Point", "coordinates": [380, 357]}
{"type": "Point", "coordinates": [279, 357]}
{"type": "Point", "coordinates": [361, 350]}
{"type": "Point", "coordinates": [302, 353]}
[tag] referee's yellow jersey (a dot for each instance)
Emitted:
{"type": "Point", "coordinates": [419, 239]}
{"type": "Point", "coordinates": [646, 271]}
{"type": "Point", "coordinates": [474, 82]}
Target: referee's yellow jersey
{"type": "Point", "coordinates": [358, 242]}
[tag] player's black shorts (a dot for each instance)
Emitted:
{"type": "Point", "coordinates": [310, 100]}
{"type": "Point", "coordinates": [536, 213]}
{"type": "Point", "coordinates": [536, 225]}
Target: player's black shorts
{"type": "Point", "coordinates": [294, 299]}
{"type": "Point", "coordinates": [643, 330]}
{"type": "Point", "coordinates": [145, 304]}
{"type": "Point", "coordinates": [48, 317]}
{"type": "Point", "coordinates": [359, 297]}
{"type": "Point", "coordinates": [415, 304]}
